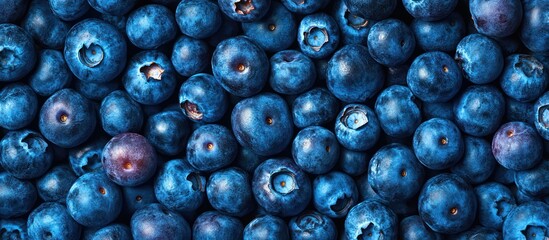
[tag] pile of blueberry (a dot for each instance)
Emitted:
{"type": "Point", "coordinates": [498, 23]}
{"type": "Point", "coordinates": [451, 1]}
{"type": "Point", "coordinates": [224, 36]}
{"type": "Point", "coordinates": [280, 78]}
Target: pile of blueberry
{"type": "Point", "coordinates": [274, 119]}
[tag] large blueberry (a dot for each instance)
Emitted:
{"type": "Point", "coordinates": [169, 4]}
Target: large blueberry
{"type": "Point", "coordinates": [371, 219]}
{"type": "Point", "coordinates": [314, 107]}
{"type": "Point", "coordinates": [18, 106]}
{"type": "Point", "coordinates": [211, 147]}
{"type": "Point", "coordinates": [477, 163]}
{"type": "Point", "coordinates": [318, 35]}
{"type": "Point", "coordinates": [315, 150]}
{"type": "Point", "coordinates": [46, 28]}
{"type": "Point", "coordinates": [151, 26]}
{"type": "Point", "coordinates": [443, 35]}
{"type": "Point", "coordinates": [398, 111]}
{"type": "Point", "coordinates": [266, 228]}
{"type": "Point", "coordinates": [25, 154]}
{"type": "Point", "coordinates": [119, 113]}
{"type": "Point", "coordinates": [17, 198]}
{"type": "Point", "coordinates": [198, 18]}
{"type": "Point", "coordinates": [229, 191]}
{"type": "Point", "coordinates": [190, 56]}
{"type": "Point", "coordinates": [438, 144]}
{"type": "Point", "coordinates": [43, 80]}
{"type": "Point", "coordinates": [479, 110]}
{"type": "Point", "coordinates": [292, 72]}
{"type": "Point", "coordinates": [334, 194]}
{"type": "Point", "coordinates": [17, 53]}
{"type": "Point", "coordinates": [495, 202]}
{"type": "Point", "coordinates": [496, 18]}
{"type": "Point", "coordinates": [480, 58]}
{"type": "Point", "coordinates": [52, 221]}
{"type": "Point", "coordinates": [527, 221]}
{"type": "Point", "coordinates": [524, 78]}
{"type": "Point", "coordinates": [55, 184]}
{"type": "Point", "coordinates": [357, 127]}
{"type": "Point", "coordinates": [168, 131]}
{"type": "Point", "coordinates": [202, 99]}
{"type": "Point", "coordinates": [391, 42]}
{"type": "Point", "coordinates": [215, 225]}
{"type": "Point", "coordinates": [517, 146]}
{"type": "Point", "coordinates": [156, 222]}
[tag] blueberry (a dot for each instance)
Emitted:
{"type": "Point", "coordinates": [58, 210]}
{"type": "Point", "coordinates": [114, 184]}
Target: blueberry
{"type": "Point", "coordinates": [198, 18]}
{"type": "Point", "coordinates": [334, 194]}
{"type": "Point", "coordinates": [371, 9]}
{"type": "Point", "coordinates": [281, 188]}
{"type": "Point", "coordinates": [265, 228]}
{"type": "Point", "coordinates": [17, 53]}
{"type": "Point", "coordinates": [67, 119]}
{"type": "Point", "coordinates": [357, 127]}
{"type": "Point", "coordinates": [534, 32]}
{"type": "Point", "coordinates": [314, 107]}
{"type": "Point", "coordinates": [312, 225]}
{"type": "Point", "coordinates": [262, 123]}
{"type": "Point", "coordinates": [190, 56]}
{"type": "Point", "coordinates": [87, 157]}
{"type": "Point", "coordinates": [344, 78]}
{"type": "Point", "coordinates": [391, 42]}
{"type": "Point", "coordinates": [211, 147]}
{"type": "Point", "coordinates": [13, 228]}
{"type": "Point", "coordinates": [45, 82]}
{"type": "Point", "coordinates": [412, 227]}
{"type": "Point", "coordinates": [496, 18]}
{"type": "Point", "coordinates": [12, 98]}
{"type": "Point", "coordinates": [318, 35]}
{"type": "Point", "coordinates": [52, 221]}
{"type": "Point", "coordinates": [18, 198]}
{"type": "Point", "coordinates": [113, 231]}
{"type": "Point", "coordinates": [447, 204]}
{"type": "Point", "coordinates": [112, 7]}
{"type": "Point", "coordinates": [119, 113]}
{"type": "Point", "coordinates": [215, 225]}
{"type": "Point", "coordinates": [159, 29]}
{"type": "Point", "coordinates": [371, 219]}
{"type": "Point", "coordinates": [438, 144]}
{"type": "Point", "coordinates": [229, 191]}
{"type": "Point", "coordinates": [44, 26]}
{"type": "Point", "coordinates": [69, 10]}
{"type": "Point", "coordinates": [398, 111]}
{"type": "Point", "coordinates": [477, 163]}
{"type": "Point", "coordinates": [291, 72]}
{"type": "Point", "coordinates": [541, 115]}
{"type": "Point", "coordinates": [138, 197]}
{"type": "Point", "coordinates": [54, 185]}
{"type": "Point", "coordinates": [527, 221]}
{"type": "Point", "coordinates": [524, 77]}
{"type": "Point", "coordinates": [353, 163]}
{"type": "Point", "coordinates": [315, 150]}
{"type": "Point", "coordinates": [12, 10]}
{"type": "Point", "coordinates": [25, 154]}
{"type": "Point", "coordinates": [395, 174]}
{"type": "Point", "coordinates": [495, 202]}
{"type": "Point", "coordinates": [480, 58]}
{"type": "Point", "coordinates": [443, 35]}
{"type": "Point", "coordinates": [154, 221]}
{"type": "Point", "coordinates": [479, 110]}
{"type": "Point", "coordinates": [304, 7]}
{"type": "Point", "coordinates": [168, 131]}
{"type": "Point", "coordinates": [202, 99]}
{"type": "Point", "coordinates": [150, 77]}
{"type": "Point", "coordinates": [534, 182]}
{"type": "Point", "coordinates": [430, 10]}
{"type": "Point", "coordinates": [517, 146]}
{"type": "Point", "coordinates": [244, 10]}
{"type": "Point", "coordinates": [354, 29]}
{"type": "Point", "coordinates": [180, 187]}
{"type": "Point", "coordinates": [434, 77]}
{"type": "Point", "coordinates": [93, 200]}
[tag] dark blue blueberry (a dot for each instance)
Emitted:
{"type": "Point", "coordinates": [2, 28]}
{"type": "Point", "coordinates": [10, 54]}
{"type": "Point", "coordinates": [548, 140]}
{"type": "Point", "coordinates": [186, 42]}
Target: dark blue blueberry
{"type": "Point", "coordinates": [17, 198]}
{"type": "Point", "coordinates": [214, 225]}
{"type": "Point", "coordinates": [13, 229]}
{"type": "Point", "coordinates": [345, 78]}
{"type": "Point", "coordinates": [353, 163]}
{"type": "Point", "coordinates": [354, 29]}
{"type": "Point", "coordinates": [395, 174]}
{"type": "Point", "coordinates": [318, 35]}
{"type": "Point", "coordinates": [168, 131]}
{"type": "Point", "coordinates": [45, 27]}
{"type": "Point", "coordinates": [211, 147]}
{"type": "Point", "coordinates": [430, 10]}
{"type": "Point", "coordinates": [273, 31]}
{"type": "Point", "coordinates": [266, 228]}
{"type": "Point", "coordinates": [119, 113]}
{"type": "Point", "coordinates": [312, 226]}
{"type": "Point", "coordinates": [150, 77]}
{"type": "Point", "coordinates": [95, 51]}
{"type": "Point", "coordinates": [371, 9]}
{"type": "Point", "coordinates": [496, 18]}
{"type": "Point", "coordinates": [447, 204]}
{"type": "Point", "coordinates": [443, 35]}
{"type": "Point", "coordinates": [156, 222]}
{"type": "Point", "coordinates": [18, 106]}
{"type": "Point", "coordinates": [534, 32]}
{"type": "Point", "coordinates": [540, 115]}
{"type": "Point", "coordinates": [480, 58]}
{"type": "Point", "coordinates": [69, 10]}
{"type": "Point", "coordinates": [315, 150]}
{"type": "Point", "coordinates": [292, 72]}
{"type": "Point", "coordinates": [524, 77]}
{"type": "Point", "coordinates": [112, 7]}
{"type": "Point", "coordinates": [527, 221]}
{"type": "Point", "coordinates": [495, 202]}
{"type": "Point", "coordinates": [357, 127]}
{"type": "Point", "coordinates": [55, 184]}
{"type": "Point", "coordinates": [434, 77]}
{"type": "Point", "coordinates": [398, 111]}
{"type": "Point", "coordinates": [477, 163]}
{"type": "Point", "coordinates": [534, 181]}
{"type": "Point", "coordinates": [129, 159]}
{"type": "Point", "coordinates": [113, 231]}
{"type": "Point", "coordinates": [138, 197]}
{"type": "Point", "coordinates": [304, 7]}
{"type": "Point", "coordinates": [202, 99]}
{"type": "Point", "coordinates": [391, 42]}
{"type": "Point", "coordinates": [11, 11]}
{"type": "Point", "coordinates": [198, 18]}
{"type": "Point", "coordinates": [438, 110]}
{"type": "Point", "coordinates": [190, 56]}
{"type": "Point", "coordinates": [17, 53]}
{"type": "Point", "coordinates": [438, 144]}
{"type": "Point", "coordinates": [240, 66]}
{"type": "Point", "coordinates": [87, 157]}
{"type": "Point", "coordinates": [263, 123]}
{"type": "Point", "coordinates": [93, 200]}
{"type": "Point", "coordinates": [52, 221]}
{"type": "Point", "coordinates": [151, 26]}
{"type": "Point", "coordinates": [412, 227]}
{"type": "Point", "coordinates": [180, 187]}
{"type": "Point", "coordinates": [244, 10]}
{"type": "Point", "coordinates": [334, 194]}
{"type": "Point", "coordinates": [43, 80]}
{"type": "Point", "coordinates": [67, 119]}
{"type": "Point", "coordinates": [25, 154]}
{"type": "Point", "coordinates": [371, 219]}
{"type": "Point", "coordinates": [96, 91]}
{"type": "Point", "coordinates": [479, 110]}
{"type": "Point", "coordinates": [281, 188]}
{"type": "Point", "coordinates": [315, 107]}
{"type": "Point", "coordinates": [229, 191]}
{"type": "Point", "coordinates": [517, 146]}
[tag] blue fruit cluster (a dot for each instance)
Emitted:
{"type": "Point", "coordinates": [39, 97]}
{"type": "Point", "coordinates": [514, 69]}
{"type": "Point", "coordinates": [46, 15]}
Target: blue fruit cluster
{"type": "Point", "coordinates": [274, 119]}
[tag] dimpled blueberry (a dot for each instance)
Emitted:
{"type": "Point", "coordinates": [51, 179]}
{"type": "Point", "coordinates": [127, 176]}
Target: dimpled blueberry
{"type": "Point", "coordinates": [527, 221]}
{"type": "Point", "coordinates": [14, 228]}
{"type": "Point", "coordinates": [318, 35]}
{"type": "Point", "coordinates": [517, 146]}
{"type": "Point", "coordinates": [17, 53]}
{"type": "Point", "coordinates": [354, 29]}
{"type": "Point", "coordinates": [52, 221]}
{"type": "Point", "coordinates": [12, 98]}
{"type": "Point", "coordinates": [524, 78]}
{"type": "Point", "coordinates": [151, 26]}
{"type": "Point", "coordinates": [357, 127]}
{"type": "Point", "coordinates": [480, 58]}
{"type": "Point", "coordinates": [371, 219]}
{"type": "Point", "coordinates": [291, 72]}
{"type": "Point", "coordinates": [25, 154]}
{"type": "Point", "coordinates": [541, 115]}
{"type": "Point", "coordinates": [312, 225]}
{"type": "Point", "coordinates": [495, 202]}
{"type": "Point", "coordinates": [202, 99]}
{"type": "Point", "coordinates": [87, 157]}
{"type": "Point", "coordinates": [334, 194]}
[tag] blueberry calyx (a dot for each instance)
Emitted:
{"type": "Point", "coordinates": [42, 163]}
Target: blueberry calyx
{"type": "Point", "coordinates": [355, 21]}
{"type": "Point", "coordinates": [354, 118]}
{"type": "Point", "coordinates": [196, 182]}
{"type": "Point", "coordinates": [309, 221]}
{"type": "Point", "coordinates": [91, 55]}
{"type": "Point", "coordinates": [529, 65]}
{"type": "Point", "coordinates": [191, 110]}
{"type": "Point", "coordinates": [342, 204]}
{"type": "Point", "coordinates": [312, 36]}
{"type": "Point", "coordinates": [283, 182]}
{"type": "Point", "coordinates": [543, 115]}
{"type": "Point", "coordinates": [7, 58]}
{"type": "Point", "coordinates": [152, 71]}
{"type": "Point", "coordinates": [243, 7]}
